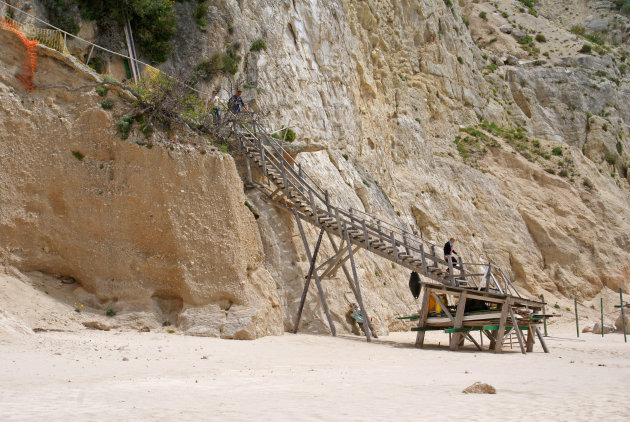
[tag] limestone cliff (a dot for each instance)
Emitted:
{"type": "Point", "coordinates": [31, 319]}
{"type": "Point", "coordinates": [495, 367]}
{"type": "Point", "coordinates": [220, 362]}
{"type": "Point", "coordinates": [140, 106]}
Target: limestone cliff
{"type": "Point", "coordinates": [385, 87]}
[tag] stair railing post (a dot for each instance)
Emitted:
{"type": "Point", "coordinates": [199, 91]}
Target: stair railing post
{"type": "Point", "coordinates": [462, 272]}
{"type": "Point", "coordinates": [313, 206]}
{"type": "Point", "coordinates": [393, 240]}
{"type": "Point", "coordinates": [366, 235]}
{"type": "Point", "coordinates": [451, 272]}
{"type": "Point", "coordinates": [425, 270]}
{"type": "Point", "coordinates": [435, 263]}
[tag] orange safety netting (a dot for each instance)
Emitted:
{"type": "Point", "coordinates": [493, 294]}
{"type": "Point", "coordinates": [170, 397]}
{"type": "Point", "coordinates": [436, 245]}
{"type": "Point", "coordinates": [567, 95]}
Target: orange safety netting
{"type": "Point", "coordinates": [30, 62]}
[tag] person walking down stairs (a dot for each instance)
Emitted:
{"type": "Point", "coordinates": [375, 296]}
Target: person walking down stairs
{"type": "Point", "coordinates": [449, 251]}
{"type": "Point", "coordinates": [236, 102]}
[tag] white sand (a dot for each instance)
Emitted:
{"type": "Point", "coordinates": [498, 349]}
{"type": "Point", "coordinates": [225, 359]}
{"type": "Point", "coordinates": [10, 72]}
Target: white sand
{"type": "Point", "coordinates": [82, 376]}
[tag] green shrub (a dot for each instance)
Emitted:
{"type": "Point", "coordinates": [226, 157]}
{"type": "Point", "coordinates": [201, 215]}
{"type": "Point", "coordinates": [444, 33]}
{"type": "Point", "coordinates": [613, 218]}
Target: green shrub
{"type": "Point", "coordinates": [78, 155]}
{"type": "Point", "coordinates": [483, 16]}
{"type": "Point", "coordinates": [540, 38]}
{"type": "Point", "coordinates": [153, 21]}
{"type": "Point", "coordinates": [586, 49]}
{"type": "Point", "coordinates": [207, 69]}
{"type": "Point", "coordinates": [63, 14]}
{"type": "Point", "coordinates": [605, 127]}
{"type": "Point", "coordinates": [110, 312]}
{"type": "Point", "coordinates": [107, 104]}
{"type": "Point", "coordinates": [231, 59]}
{"type": "Point", "coordinates": [124, 126]}
{"type": "Point", "coordinates": [563, 173]}
{"type": "Point", "coordinates": [365, 182]}
{"type": "Point", "coordinates": [200, 13]}
{"type": "Point", "coordinates": [286, 134]}
{"type": "Point", "coordinates": [101, 90]}
{"type": "Point", "coordinates": [610, 159]}
{"type": "Point", "coordinates": [460, 60]}
{"type": "Point", "coordinates": [258, 45]}
{"type": "Point", "coordinates": [96, 63]}
{"type": "Point", "coordinates": [578, 30]}
{"type": "Point", "coordinates": [466, 22]}
{"type": "Point", "coordinates": [619, 147]}
{"type": "Point", "coordinates": [556, 151]}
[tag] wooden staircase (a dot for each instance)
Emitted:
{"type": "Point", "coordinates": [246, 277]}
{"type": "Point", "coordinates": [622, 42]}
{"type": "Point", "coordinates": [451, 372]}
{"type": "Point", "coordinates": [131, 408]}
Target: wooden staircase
{"type": "Point", "coordinates": [296, 191]}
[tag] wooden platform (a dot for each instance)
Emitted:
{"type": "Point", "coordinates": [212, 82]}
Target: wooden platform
{"type": "Point", "coordinates": [509, 315]}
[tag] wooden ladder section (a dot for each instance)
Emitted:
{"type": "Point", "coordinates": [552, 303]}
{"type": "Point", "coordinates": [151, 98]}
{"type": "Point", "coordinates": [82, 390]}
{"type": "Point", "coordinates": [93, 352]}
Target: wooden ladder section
{"type": "Point", "coordinates": [289, 187]}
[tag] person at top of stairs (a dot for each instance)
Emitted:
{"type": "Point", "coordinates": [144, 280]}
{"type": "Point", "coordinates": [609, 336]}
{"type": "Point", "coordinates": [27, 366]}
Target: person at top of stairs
{"type": "Point", "coordinates": [449, 252]}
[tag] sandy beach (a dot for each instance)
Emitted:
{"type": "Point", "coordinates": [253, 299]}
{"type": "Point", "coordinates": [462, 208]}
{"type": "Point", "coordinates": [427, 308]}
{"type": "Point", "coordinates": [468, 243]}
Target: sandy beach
{"type": "Point", "coordinates": [95, 375]}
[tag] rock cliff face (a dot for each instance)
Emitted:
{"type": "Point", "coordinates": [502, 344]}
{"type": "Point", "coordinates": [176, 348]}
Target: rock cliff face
{"type": "Point", "coordinates": [161, 231]}
{"type": "Point", "coordinates": [383, 88]}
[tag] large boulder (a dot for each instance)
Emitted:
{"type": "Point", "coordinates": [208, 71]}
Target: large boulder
{"type": "Point", "coordinates": [619, 321]}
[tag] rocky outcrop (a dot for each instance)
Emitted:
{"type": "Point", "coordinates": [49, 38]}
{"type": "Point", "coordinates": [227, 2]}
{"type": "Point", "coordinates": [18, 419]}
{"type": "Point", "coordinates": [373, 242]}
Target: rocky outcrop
{"type": "Point", "coordinates": [154, 227]}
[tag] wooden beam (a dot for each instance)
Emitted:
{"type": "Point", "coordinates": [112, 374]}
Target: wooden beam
{"type": "Point", "coordinates": [366, 319]}
{"type": "Point", "coordinates": [542, 340]}
{"type": "Point", "coordinates": [519, 335]}
{"type": "Point", "coordinates": [307, 283]}
{"type": "Point", "coordinates": [459, 318]}
{"type": "Point", "coordinates": [318, 283]}
{"type": "Point", "coordinates": [530, 338]}
{"type": "Point", "coordinates": [443, 306]}
{"type": "Point", "coordinates": [424, 310]}
{"type": "Point", "coordinates": [469, 337]}
{"type": "Point", "coordinates": [498, 345]}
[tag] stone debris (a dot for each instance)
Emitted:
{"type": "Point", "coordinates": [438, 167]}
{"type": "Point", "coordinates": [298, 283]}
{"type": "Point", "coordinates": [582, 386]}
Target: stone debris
{"type": "Point", "coordinates": [97, 325]}
{"type": "Point", "coordinates": [608, 328]}
{"type": "Point", "coordinates": [479, 388]}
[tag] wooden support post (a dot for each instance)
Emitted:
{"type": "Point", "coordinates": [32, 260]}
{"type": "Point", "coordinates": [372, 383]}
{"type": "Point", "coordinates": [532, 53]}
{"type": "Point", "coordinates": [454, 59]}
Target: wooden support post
{"type": "Point", "coordinates": [366, 319]}
{"type": "Point", "coordinates": [343, 267]}
{"type": "Point", "coordinates": [473, 341]}
{"type": "Point", "coordinates": [542, 340]}
{"type": "Point", "coordinates": [577, 323]}
{"type": "Point", "coordinates": [459, 319]}
{"type": "Point", "coordinates": [424, 310]}
{"type": "Point", "coordinates": [498, 345]}
{"type": "Point", "coordinates": [530, 338]}
{"type": "Point", "coordinates": [308, 282]}
{"type": "Point", "coordinates": [318, 283]}
{"type": "Point", "coordinates": [434, 255]}
{"type": "Point", "coordinates": [519, 335]}
{"type": "Point", "coordinates": [425, 269]}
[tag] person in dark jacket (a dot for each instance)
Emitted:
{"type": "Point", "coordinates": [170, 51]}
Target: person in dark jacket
{"type": "Point", "coordinates": [449, 251]}
{"type": "Point", "coordinates": [236, 103]}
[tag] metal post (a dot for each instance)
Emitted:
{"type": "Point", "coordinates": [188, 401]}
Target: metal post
{"type": "Point", "coordinates": [542, 298]}
{"type": "Point", "coordinates": [89, 56]}
{"type": "Point", "coordinates": [601, 305]}
{"type": "Point", "coordinates": [623, 318]}
{"type": "Point", "coordinates": [577, 323]}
